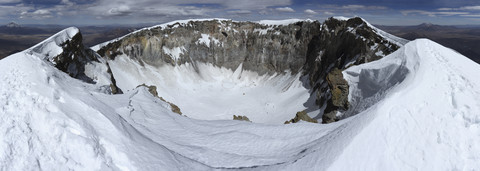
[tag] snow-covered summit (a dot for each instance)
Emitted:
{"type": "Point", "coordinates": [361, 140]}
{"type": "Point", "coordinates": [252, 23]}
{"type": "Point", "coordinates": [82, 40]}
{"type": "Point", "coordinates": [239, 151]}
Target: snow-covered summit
{"type": "Point", "coordinates": [51, 47]}
{"type": "Point", "coordinates": [282, 22]}
{"type": "Point", "coordinates": [394, 39]}
{"type": "Point", "coordinates": [13, 25]}
{"type": "Point", "coordinates": [419, 109]}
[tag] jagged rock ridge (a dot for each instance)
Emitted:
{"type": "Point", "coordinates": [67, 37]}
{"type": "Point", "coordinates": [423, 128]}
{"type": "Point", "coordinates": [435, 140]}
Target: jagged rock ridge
{"type": "Point", "coordinates": [65, 50]}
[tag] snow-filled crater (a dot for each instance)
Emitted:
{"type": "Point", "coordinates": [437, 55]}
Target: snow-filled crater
{"type": "Point", "coordinates": [207, 92]}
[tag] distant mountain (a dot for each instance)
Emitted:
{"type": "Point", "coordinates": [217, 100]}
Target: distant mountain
{"type": "Point", "coordinates": [16, 29]}
{"type": "Point", "coordinates": [420, 27]}
{"type": "Point", "coordinates": [463, 39]}
{"type": "Point", "coordinates": [432, 27]}
{"type": "Point", "coordinates": [13, 25]}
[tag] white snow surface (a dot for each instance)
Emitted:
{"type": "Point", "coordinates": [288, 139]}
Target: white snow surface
{"type": "Point", "coordinates": [206, 39]}
{"type": "Point", "coordinates": [174, 52]}
{"type": "Point", "coordinates": [282, 22]}
{"type": "Point", "coordinates": [416, 109]}
{"type": "Point", "coordinates": [208, 92]}
{"type": "Point", "coordinates": [391, 38]}
{"type": "Point", "coordinates": [341, 18]}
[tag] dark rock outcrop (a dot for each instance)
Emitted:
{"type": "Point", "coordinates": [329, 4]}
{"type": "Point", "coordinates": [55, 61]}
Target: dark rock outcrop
{"type": "Point", "coordinates": [113, 86]}
{"type": "Point", "coordinates": [241, 118]}
{"type": "Point", "coordinates": [339, 87]}
{"type": "Point", "coordinates": [65, 50]}
{"type": "Point", "coordinates": [301, 116]}
{"type": "Point", "coordinates": [153, 90]}
{"type": "Point", "coordinates": [342, 43]}
{"type": "Point", "coordinates": [74, 57]}
{"type": "Point", "coordinates": [339, 95]}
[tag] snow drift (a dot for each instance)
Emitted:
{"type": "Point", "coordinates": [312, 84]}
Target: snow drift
{"type": "Point", "coordinates": [416, 109]}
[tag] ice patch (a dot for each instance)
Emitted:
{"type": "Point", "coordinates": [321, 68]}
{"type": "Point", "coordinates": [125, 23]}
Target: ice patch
{"type": "Point", "coordinates": [206, 39]}
{"type": "Point", "coordinates": [174, 52]}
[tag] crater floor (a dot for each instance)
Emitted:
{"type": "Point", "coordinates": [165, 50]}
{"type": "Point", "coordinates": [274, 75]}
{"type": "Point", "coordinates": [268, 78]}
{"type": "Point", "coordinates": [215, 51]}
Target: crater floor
{"type": "Point", "coordinates": [206, 92]}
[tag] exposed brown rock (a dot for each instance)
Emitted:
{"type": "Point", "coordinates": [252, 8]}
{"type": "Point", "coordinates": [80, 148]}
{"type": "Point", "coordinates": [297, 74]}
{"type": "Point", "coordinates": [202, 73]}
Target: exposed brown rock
{"type": "Point", "coordinates": [329, 117]}
{"type": "Point", "coordinates": [241, 118]}
{"type": "Point", "coordinates": [339, 90]}
{"type": "Point", "coordinates": [174, 107]}
{"type": "Point", "coordinates": [153, 90]}
{"type": "Point", "coordinates": [302, 115]}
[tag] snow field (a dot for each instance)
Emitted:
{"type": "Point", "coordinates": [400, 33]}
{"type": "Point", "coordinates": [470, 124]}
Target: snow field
{"type": "Point", "coordinates": [213, 93]}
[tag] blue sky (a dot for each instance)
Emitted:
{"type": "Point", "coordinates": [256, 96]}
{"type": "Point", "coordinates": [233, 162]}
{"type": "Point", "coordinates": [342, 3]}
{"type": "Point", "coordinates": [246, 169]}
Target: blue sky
{"type": "Point", "coordinates": [104, 12]}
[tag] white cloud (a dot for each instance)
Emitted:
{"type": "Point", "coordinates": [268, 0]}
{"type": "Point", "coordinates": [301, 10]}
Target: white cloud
{"type": "Point", "coordinates": [446, 9]}
{"type": "Point", "coordinates": [9, 1]}
{"type": "Point", "coordinates": [285, 9]}
{"type": "Point", "coordinates": [328, 13]}
{"type": "Point", "coordinates": [37, 14]}
{"type": "Point", "coordinates": [450, 13]}
{"type": "Point", "coordinates": [244, 4]}
{"type": "Point", "coordinates": [143, 9]}
{"type": "Point", "coordinates": [350, 10]}
{"type": "Point", "coordinates": [162, 8]}
{"type": "Point", "coordinates": [121, 10]}
{"type": "Point", "coordinates": [309, 11]}
{"type": "Point", "coordinates": [433, 13]}
{"type": "Point", "coordinates": [363, 7]}
{"type": "Point", "coordinates": [240, 12]}
{"type": "Point", "coordinates": [471, 8]}
{"type": "Point", "coordinates": [464, 8]}
{"type": "Point", "coordinates": [353, 7]}
{"type": "Point", "coordinates": [471, 15]}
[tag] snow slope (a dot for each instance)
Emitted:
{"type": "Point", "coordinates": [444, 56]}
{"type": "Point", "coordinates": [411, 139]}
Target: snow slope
{"type": "Point", "coordinates": [416, 109]}
{"type": "Point", "coordinates": [421, 110]}
{"type": "Point", "coordinates": [203, 91]}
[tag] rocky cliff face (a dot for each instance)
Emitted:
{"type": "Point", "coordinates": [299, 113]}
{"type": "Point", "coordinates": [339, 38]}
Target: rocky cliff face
{"type": "Point", "coordinates": [310, 47]}
{"type": "Point", "coordinates": [74, 57]}
{"type": "Point", "coordinates": [261, 48]}
{"type": "Point", "coordinates": [340, 44]}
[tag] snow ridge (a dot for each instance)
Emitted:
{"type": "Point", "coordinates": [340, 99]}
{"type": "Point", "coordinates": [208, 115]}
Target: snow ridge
{"type": "Point", "coordinates": [423, 112]}
{"type": "Point", "coordinates": [51, 47]}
